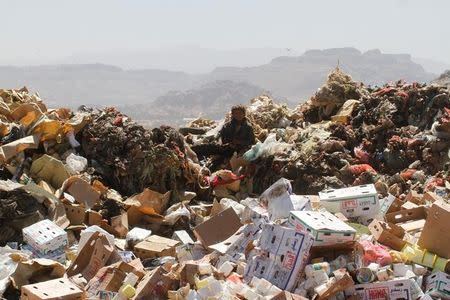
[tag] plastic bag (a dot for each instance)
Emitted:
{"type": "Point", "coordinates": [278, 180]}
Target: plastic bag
{"type": "Point", "coordinates": [375, 253]}
{"type": "Point", "coordinates": [277, 199]}
{"type": "Point", "coordinates": [7, 267]}
{"type": "Point", "coordinates": [270, 147]}
{"type": "Point", "coordinates": [76, 164]}
{"type": "Point", "coordinates": [72, 141]}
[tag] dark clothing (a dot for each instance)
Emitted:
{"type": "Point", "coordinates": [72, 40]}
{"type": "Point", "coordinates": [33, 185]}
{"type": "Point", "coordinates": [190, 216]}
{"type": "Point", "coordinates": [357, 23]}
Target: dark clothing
{"type": "Point", "coordinates": [235, 138]}
{"type": "Point", "coordinates": [241, 136]}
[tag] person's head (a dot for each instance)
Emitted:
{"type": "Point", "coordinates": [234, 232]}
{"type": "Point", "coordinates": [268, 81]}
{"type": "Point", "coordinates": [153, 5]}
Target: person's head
{"type": "Point", "coordinates": [238, 113]}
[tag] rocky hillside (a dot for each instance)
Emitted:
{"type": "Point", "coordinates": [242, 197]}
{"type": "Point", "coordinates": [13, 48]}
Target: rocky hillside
{"type": "Point", "coordinates": [444, 79]}
{"type": "Point", "coordinates": [212, 99]}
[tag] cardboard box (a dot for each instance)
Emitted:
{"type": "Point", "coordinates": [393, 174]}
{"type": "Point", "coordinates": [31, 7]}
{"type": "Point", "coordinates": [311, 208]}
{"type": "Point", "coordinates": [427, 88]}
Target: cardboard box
{"type": "Point", "coordinates": [407, 215]}
{"type": "Point", "coordinates": [326, 228]}
{"type": "Point", "coordinates": [110, 278]}
{"type": "Point", "coordinates": [438, 285]}
{"type": "Point", "coordinates": [287, 296]}
{"type": "Point", "coordinates": [83, 192]}
{"type": "Point", "coordinates": [182, 236]}
{"type": "Point", "coordinates": [351, 249]}
{"type": "Point", "coordinates": [253, 211]}
{"type": "Point", "coordinates": [301, 202]}
{"type": "Point", "coordinates": [435, 235]}
{"type": "Point", "coordinates": [431, 197]}
{"type": "Point", "coordinates": [45, 236]}
{"type": "Point", "coordinates": [397, 289]}
{"type": "Point", "coordinates": [155, 285]}
{"type": "Point", "coordinates": [352, 202]}
{"type": "Point", "coordinates": [75, 213]}
{"type": "Point", "coordinates": [218, 228]}
{"type": "Point", "coordinates": [409, 205]}
{"type": "Point", "coordinates": [93, 255]}
{"type": "Point", "coordinates": [414, 197]}
{"type": "Point", "coordinates": [236, 245]}
{"type": "Point", "coordinates": [61, 288]}
{"type": "Point", "coordinates": [155, 246]}
{"type": "Point", "coordinates": [388, 234]}
{"type": "Point", "coordinates": [288, 252]}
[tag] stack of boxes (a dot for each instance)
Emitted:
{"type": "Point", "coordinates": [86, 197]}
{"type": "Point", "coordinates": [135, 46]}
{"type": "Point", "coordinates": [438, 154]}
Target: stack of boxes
{"type": "Point", "coordinates": [45, 239]}
{"type": "Point", "coordinates": [283, 256]}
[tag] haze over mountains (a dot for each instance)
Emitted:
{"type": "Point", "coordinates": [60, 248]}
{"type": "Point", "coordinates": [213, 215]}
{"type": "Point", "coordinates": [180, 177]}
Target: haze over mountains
{"type": "Point", "coordinates": [162, 96]}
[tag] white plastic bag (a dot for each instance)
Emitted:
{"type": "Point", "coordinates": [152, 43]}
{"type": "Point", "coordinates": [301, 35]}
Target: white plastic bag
{"type": "Point", "coordinates": [7, 267]}
{"type": "Point", "coordinates": [270, 147]}
{"type": "Point", "coordinates": [277, 198]}
{"type": "Point", "coordinates": [76, 164]}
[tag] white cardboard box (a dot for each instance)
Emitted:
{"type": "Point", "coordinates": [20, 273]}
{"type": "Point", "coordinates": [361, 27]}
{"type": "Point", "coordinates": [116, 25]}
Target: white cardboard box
{"type": "Point", "coordinates": [438, 285]}
{"type": "Point", "coordinates": [45, 236]}
{"type": "Point", "coordinates": [285, 256]}
{"type": "Point", "coordinates": [397, 289]}
{"type": "Point", "coordinates": [352, 202]}
{"type": "Point", "coordinates": [326, 228]}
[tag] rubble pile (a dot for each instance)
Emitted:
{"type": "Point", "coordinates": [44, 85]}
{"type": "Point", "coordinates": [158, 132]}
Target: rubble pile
{"type": "Point", "coordinates": [345, 197]}
{"type": "Point", "coordinates": [265, 115]}
{"type": "Point", "coordinates": [396, 135]}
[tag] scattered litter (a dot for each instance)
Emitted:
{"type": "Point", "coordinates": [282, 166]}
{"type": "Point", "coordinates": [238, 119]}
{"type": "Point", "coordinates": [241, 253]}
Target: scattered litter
{"type": "Point", "coordinates": [344, 197]}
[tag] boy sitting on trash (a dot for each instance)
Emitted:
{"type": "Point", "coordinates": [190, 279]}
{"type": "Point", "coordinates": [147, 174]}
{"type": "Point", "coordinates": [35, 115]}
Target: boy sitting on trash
{"type": "Point", "coordinates": [237, 136]}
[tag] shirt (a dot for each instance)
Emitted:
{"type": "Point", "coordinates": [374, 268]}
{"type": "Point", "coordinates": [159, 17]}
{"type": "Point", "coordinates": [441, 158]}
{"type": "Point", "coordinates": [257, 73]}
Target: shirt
{"type": "Point", "coordinates": [242, 132]}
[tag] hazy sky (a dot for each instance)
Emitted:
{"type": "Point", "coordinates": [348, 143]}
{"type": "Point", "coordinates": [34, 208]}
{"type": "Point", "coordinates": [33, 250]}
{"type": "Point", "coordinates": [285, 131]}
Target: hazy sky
{"type": "Point", "coordinates": [42, 31]}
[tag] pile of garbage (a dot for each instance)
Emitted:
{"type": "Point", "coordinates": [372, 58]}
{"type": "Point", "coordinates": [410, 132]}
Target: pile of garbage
{"type": "Point", "coordinates": [345, 197]}
{"type": "Point", "coordinates": [130, 158]}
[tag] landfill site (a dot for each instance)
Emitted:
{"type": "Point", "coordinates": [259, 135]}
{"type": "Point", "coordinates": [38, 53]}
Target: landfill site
{"type": "Point", "coordinates": [344, 197]}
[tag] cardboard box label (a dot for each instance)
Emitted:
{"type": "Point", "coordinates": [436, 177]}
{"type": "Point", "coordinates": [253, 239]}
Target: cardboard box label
{"type": "Point", "coordinates": [349, 204]}
{"type": "Point", "coordinates": [397, 289]}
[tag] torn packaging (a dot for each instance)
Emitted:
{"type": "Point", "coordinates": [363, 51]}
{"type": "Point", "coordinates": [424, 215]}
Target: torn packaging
{"type": "Point", "coordinates": [94, 255]}
{"type": "Point", "coordinates": [35, 270]}
{"type": "Point", "coordinates": [155, 285]}
{"type": "Point", "coordinates": [218, 228]}
{"type": "Point", "coordinates": [81, 190]}
{"type": "Point", "coordinates": [435, 235]}
{"type": "Point", "coordinates": [110, 278]}
{"type": "Point", "coordinates": [388, 234]}
{"type": "Point", "coordinates": [10, 150]}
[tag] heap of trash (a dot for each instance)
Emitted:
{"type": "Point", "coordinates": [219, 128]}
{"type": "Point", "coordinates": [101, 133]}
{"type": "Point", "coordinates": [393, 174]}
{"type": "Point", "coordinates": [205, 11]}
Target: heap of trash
{"type": "Point", "coordinates": [344, 197]}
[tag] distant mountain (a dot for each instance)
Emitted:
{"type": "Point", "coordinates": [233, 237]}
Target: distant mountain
{"type": "Point", "coordinates": [94, 84]}
{"type": "Point", "coordinates": [298, 77]}
{"type": "Point", "coordinates": [178, 94]}
{"type": "Point", "coordinates": [194, 60]}
{"type": "Point", "coordinates": [213, 100]}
